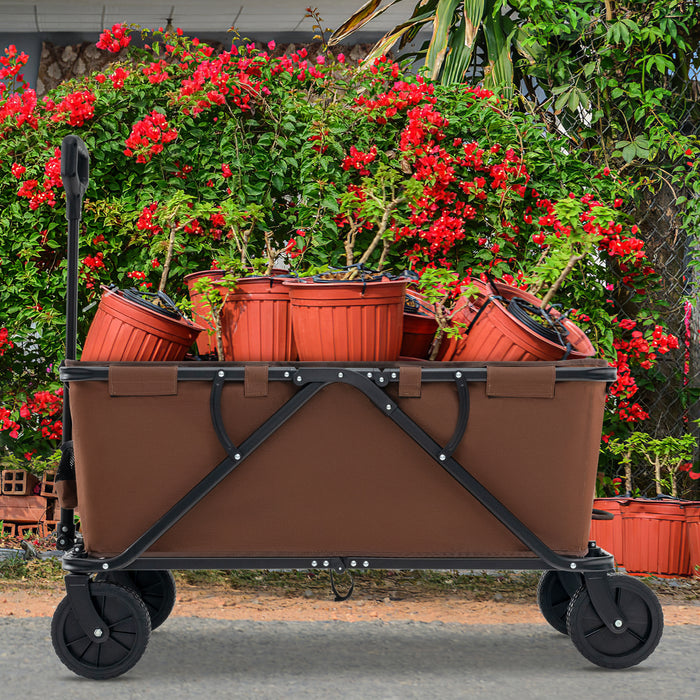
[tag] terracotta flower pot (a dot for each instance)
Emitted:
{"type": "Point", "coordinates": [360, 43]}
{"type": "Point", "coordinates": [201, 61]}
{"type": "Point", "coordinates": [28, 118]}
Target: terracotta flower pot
{"type": "Point", "coordinates": [692, 513]}
{"type": "Point", "coordinates": [201, 312]}
{"type": "Point", "coordinates": [419, 326]}
{"type": "Point", "coordinates": [128, 329]}
{"type": "Point", "coordinates": [356, 321]}
{"type": "Point", "coordinates": [608, 533]}
{"type": "Point", "coordinates": [256, 321]}
{"type": "Point", "coordinates": [655, 537]}
{"type": "Point", "coordinates": [495, 334]}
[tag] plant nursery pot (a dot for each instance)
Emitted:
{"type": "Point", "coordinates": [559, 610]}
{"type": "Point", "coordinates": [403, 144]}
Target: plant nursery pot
{"type": "Point", "coordinates": [130, 331]}
{"type": "Point", "coordinates": [419, 326]}
{"type": "Point", "coordinates": [256, 321]}
{"type": "Point", "coordinates": [496, 334]}
{"type": "Point", "coordinates": [201, 313]}
{"type": "Point", "coordinates": [608, 533]}
{"type": "Point", "coordinates": [655, 537]}
{"type": "Point", "coordinates": [692, 514]}
{"type": "Point", "coordinates": [496, 338]}
{"type": "Point", "coordinates": [353, 320]}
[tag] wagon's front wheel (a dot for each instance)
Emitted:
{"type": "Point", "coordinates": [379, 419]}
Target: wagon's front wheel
{"type": "Point", "coordinates": [117, 648]}
{"type": "Point", "coordinates": [155, 588]}
{"type": "Point", "coordinates": [554, 593]}
{"type": "Point", "coordinates": [644, 624]}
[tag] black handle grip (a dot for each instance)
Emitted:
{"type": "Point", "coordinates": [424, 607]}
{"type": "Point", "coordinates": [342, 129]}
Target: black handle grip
{"type": "Point", "coordinates": [75, 173]}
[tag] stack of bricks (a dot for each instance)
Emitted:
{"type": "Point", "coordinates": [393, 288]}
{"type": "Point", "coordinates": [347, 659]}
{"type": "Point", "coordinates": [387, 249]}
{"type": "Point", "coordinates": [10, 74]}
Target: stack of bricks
{"type": "Point", "coordinates": [27, 505]}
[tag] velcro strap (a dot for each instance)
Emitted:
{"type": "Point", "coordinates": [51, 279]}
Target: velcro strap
{"type": "Point", "coordinates": [129, 380]}
{"type": "Point", "coordinates": [527, 382]}
{"type": "Point", "coordinates": [410, 382]}
{"type": "Point", "coordinates": [255, 383]}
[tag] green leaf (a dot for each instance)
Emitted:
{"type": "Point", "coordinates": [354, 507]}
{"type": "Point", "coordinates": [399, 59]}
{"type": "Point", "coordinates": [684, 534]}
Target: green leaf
{"type": "Point", "coordinates": [437, 49]}
{"type": "Point", "coordinates": [358, 19]}
{"type": "Point", "coordinates": [386, 42]}
{"type": "Point", "coordinates": [499, 32]}
{"type": "Point", "coordinates": [628, 152]}
{"type": "Point", "coordinates": [561, 101]}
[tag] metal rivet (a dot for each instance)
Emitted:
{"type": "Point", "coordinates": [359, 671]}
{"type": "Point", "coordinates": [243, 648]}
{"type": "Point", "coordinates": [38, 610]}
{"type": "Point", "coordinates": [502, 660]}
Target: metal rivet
{"type": "Point", "coordinates": [572, 565]}
{"type": "Point", "coordinates": [369, 374]}
{"type": "Point", "coordinates": [286, 374]}
{"type": "Point", "coordinates": [314, 563]}
{"type": "Point", "coordinates": [458, 374]}
{"type": "Point", "coordinates": [388, 407]}
{"type": "Point", "coordinates": [298, 378]}
{"type": "Point", "coordinates": [618, 623]}
{"type": "Point", "coordinates": [221, 373]}
{"type": "Point", "coordinates": [236, 456]}
{"type": "Point", "coordinates": [353, 563]}
{"type": "Point", "coordinates": [64, 528]}
{"type": "Point", "coordinates": [393, 375]}
{"type": "Point", "coordinates": [381, 380]}
{"type": "Point", "coordinates": [98, 632]}
{"type": "Point", "coordinates": [105, 566]}
{"type": "Point", "coordinates": [325, 562]}
{"type": "Point", "coordinates": [340, 375]}
{"type": "Point", "coordinates": [365, 563]}
{"type": "Point", "coordinates": [442, 458]}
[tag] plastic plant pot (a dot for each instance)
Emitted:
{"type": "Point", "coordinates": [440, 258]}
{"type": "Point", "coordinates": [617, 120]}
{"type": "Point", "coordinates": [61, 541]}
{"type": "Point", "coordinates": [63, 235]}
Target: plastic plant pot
{"type": "Point", "coordinates": [128, 328]}
{"type": "Point", "coordinates": [419, 326]}
{"type": "Point", "coordinates": [201, 312]}
{"type": "Point", "coordinates": [256, 321]}
{"type": "Point", "coordinates": [355, 320]}
{"type": "Point", "coordinates": [655, 537]}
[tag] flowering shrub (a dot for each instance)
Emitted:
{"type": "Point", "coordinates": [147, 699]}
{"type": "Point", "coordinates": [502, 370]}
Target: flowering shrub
{"type": "Point", "coordinates": [199, 160]}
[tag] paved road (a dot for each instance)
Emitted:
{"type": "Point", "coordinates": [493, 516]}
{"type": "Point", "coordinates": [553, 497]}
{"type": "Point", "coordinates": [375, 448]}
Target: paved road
{"type": "Point", "coordinates": [198, 658]}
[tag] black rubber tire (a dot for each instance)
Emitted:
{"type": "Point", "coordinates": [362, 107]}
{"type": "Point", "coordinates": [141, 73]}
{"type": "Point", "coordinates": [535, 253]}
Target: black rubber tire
{"type": "Point", "coordinates": [554, 592]}
{"type": "Point", "coordinates": [155, 588]}
{"type": "Point", "coordinates": [129, 625]}
{"type": "Point", "coordinates": [645, 623]}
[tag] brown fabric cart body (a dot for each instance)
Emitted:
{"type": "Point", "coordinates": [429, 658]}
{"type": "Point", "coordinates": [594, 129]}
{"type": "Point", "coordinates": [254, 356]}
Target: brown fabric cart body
{"type": "Point", "coordinates": [338, 478]}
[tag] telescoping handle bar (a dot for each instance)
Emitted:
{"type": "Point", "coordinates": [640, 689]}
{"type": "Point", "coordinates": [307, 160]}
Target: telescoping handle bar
{"type": "Point", "coordinates": [75, 172]}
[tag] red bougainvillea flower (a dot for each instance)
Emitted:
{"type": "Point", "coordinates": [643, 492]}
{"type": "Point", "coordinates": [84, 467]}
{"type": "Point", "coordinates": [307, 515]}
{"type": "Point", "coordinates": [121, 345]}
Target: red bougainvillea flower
{"type": "Point", "coordinates": [118, 77]}
{"type": "Point", "coordinates": [148, 137]}
{"type": "Point", "coordinates": [5, 342]}
{"type": "Point", "coordinates": [114, 39]}
{"type": "Point", "coordinates": [19, 109]}
{"type": "Point", "coordinates": [75, 109]}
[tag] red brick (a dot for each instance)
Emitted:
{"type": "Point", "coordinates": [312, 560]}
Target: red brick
{"type": "Point", "coordinates": [17, 482]}
{"type": "Point", "coordinates": [22, 509]}
{"type": "Point", "coordinates": [48, 484]}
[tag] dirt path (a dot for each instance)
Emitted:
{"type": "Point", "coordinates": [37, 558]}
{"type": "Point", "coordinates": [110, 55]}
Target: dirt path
{"type": "Point", "coordinates": [24, 599]}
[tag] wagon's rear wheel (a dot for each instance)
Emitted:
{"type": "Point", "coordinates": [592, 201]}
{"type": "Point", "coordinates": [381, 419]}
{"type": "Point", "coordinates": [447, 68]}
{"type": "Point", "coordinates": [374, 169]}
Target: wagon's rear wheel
{"type": "Point", "coordinates": [118, 648]}
{"type": "Point", "coordinates": [642, 612]}
{"type": "Point", "coordinates": [155, 588]}
{"type": "Point", "coordinates": [554, 593]}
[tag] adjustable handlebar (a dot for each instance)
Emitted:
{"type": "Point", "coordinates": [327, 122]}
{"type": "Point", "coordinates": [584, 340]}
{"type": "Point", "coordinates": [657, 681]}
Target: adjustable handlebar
{"type": "Point", "coordinates": [75, 173]}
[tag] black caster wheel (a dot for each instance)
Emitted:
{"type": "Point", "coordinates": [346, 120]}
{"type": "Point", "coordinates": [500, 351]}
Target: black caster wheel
{"type": "Point", "coordinates": [155, 588]}
{"type": "Point", "coordinates": [554, 593]}
{"type": "Point", "coordinates": [645, 622]}
{"type": "Point", "coordinates": [128, 623]}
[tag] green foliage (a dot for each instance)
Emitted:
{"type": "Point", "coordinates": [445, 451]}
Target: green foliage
{"type": "Point", "coordinates": [201, 161]}
{"type": "Point", "coordinates": [669, 456]}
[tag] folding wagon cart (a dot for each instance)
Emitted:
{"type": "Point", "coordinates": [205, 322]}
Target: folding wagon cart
{"type": "Point", "coordinates": [335, 466]}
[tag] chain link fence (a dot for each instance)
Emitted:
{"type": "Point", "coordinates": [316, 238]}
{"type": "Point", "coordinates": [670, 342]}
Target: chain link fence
{"type": "Point", "coordinates": [670, 393]}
